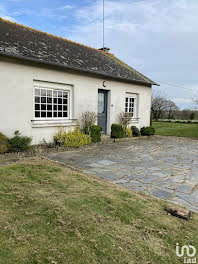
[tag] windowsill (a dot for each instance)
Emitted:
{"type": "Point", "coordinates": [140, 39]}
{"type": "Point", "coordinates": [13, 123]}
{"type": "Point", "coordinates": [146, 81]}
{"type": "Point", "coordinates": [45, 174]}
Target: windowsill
{"type": "Point", "coordinates": [53, 123]}
{"type": "Point", "coordinates": [135, 120]}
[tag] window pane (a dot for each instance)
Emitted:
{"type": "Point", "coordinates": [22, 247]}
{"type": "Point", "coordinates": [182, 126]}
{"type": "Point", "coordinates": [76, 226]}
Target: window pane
{"type": "Point", "coordinates": [64, 94]}
{"type": "Point", "coordinates": [55, 100]}
{"type": "Point", "coordinates": [126, 100]}
{"type": "Point", "coordinates": [55, 93]}
{"type": "Point", "coordinates": [59, 114]}
{"type": "Point", "coordinates": [64, 101]}
{"type": "Point", "coordinates": [49, 93]}
{"type": "Point", "coordinates": [64, 114]}
{"type": "Point", "coordinates": [49, 100]}
{"type": "Point", "coordinates": [49, 114]}
{"type": "Point", "coordinates": [37, 99]}
{"type": "Point", "coordinates": [49, 107]}
{"type": "Point", "coordinates": [43, 92]}
{"type": "Point", "coordinates": [60, 94]}
{"type": "Point", "coordinates": [55, 107]}
{"type": "Point", "coordinates": [60, 107]}
{"type": "Point", "coordinates": [60, 101]}
{"type": "Point", "coordinates": [43, 114]}
{"type": "Point", "coordinates": [43, 99]}
{"type": "Point", "coordinates": [101, 104]}
{"type": "Point", "coordinates": [37, 114]}
{"type": "Point", "coordinates": [65, 107]}
{"type": "Point", "coordinates": [43, 107]}
{"type": "Point", "coordinates": [37, 107]}
{"type": "Point", "coordinates": [37, 92]}
{"type": "Point", "coordinates": [55, 114]}
{"type": "Point", "coordinates": [126, 110]}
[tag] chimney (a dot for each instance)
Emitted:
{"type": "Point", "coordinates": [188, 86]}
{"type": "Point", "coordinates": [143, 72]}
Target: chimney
{"type": "Point", "coordinates": [105, 49]}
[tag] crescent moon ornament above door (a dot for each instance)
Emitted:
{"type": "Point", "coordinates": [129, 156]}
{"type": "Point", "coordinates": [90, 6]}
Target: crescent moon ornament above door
{"type": "Point", "coordinates": [104, 84]}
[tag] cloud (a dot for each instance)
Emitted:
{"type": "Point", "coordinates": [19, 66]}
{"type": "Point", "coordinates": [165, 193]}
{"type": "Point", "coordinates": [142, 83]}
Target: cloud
{"type": "Point", "coordinates": [8, 18]}
{"type": "Point", "coordinates": [157, 37]}
{"type": "Point", "coordinates": [182, 100]}
{"type": "Point", "coordinates": [67, 7]}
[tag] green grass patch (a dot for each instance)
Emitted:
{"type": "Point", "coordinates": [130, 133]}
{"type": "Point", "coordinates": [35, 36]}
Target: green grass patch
{"type": "Point", "coordinates": [50, 214]}
{"type": "Point", "coordinates": [176, 129]}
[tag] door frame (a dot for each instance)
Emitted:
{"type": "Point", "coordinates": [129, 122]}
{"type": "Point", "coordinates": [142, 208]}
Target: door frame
{"type": "Point", "coordinates": [106, 99]}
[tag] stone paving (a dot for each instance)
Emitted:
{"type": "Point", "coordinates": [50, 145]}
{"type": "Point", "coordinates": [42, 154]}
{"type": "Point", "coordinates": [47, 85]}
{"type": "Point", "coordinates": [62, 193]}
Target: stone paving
{"type": "Point", "coordinates": [165, 167]}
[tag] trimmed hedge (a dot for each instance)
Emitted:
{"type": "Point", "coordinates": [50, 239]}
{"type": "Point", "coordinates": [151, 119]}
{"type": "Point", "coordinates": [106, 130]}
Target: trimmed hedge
{"type": "Point", "coordinates": [135, 131]}
{"type": "Point", "coordinates": [3, 143]}
{"type": "Point", "coordinates": [147, 131]}
{"type": "Point", "coordinates": [117, 131]}
{"type": "Point", "coordinates": [95, 133]}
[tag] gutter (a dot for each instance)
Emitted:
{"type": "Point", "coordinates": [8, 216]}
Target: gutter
{"type": "Point", "coordinates": [24, 58]}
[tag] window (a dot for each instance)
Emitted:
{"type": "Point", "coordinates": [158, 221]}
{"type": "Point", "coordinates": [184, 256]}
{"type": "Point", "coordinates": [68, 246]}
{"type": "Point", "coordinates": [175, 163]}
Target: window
{"type": "Point", "coordinates": [130, 105]}
{"type": "Point", "coordinates": [50, 103]}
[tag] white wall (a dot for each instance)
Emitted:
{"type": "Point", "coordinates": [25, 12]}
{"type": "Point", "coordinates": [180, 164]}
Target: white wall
{"type": "Point", "coordinates": [16, 98]}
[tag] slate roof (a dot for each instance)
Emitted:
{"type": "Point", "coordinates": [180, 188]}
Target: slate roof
{"type": "Point", "coordinates": [30, 44]}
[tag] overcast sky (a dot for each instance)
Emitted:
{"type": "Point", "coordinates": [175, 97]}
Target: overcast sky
{"type": "Point", "coordinates": [157, 37]}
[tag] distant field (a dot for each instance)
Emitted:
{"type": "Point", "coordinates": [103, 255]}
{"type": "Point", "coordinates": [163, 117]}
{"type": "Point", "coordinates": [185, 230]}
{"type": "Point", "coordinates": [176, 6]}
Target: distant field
{"type": "Point", "coordinates": [176, 129]}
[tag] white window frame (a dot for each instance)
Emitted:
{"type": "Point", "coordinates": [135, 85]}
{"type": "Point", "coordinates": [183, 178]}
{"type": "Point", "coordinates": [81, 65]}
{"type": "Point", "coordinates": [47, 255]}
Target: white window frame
{"type": "Point", "coordinates": [134, 113]}
{"type": "Point", "coordinates": [54, 87]}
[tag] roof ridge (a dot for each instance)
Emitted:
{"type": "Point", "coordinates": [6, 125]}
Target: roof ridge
{"type": "Point", "coordinates": [112, 56]}
{"type": "Point", "coordinates": [49, 34]}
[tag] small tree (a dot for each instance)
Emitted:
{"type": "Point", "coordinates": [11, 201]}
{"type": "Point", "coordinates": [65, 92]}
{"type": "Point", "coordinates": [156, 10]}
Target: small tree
{"type": "Point", "coordinates": [88, 119]}
{"type": "Point", "coordinates": [125, 119]}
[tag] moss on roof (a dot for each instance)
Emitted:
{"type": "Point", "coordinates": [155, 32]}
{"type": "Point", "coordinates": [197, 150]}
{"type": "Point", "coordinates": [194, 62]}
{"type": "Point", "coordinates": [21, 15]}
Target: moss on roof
{"type": "Point", "coordinates": [21, 41]}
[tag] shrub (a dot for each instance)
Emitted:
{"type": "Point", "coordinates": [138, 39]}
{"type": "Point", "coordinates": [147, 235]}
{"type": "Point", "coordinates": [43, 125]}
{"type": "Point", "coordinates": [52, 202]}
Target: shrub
{"type": "Point", "coordinates": [88, 119]}
{"type": "Point", "coordinates": [135, 131]}
{"type": "Point", "coordinates": [125, 118]}
{"type": "Point", "coordinates": [3, 143]}
{"type": "Point", "coordinates": [72, 139]}
{"type": "Point", "coordinates": [19, 143]}
{"type": "Point", "coordinates": [95, 133]}
{"type": "Point", "coordinates": [117, 131]}
{"type": "Point", "coordinates": [127, 132]}
{"type": "Point", "coordinates": [192, 116]}
{"type": "Point", "coordinates": [147, 131]}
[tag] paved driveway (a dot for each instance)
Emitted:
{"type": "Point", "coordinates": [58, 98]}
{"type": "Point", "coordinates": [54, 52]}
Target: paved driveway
{"type": "Point", "coordinates": [165, 167]}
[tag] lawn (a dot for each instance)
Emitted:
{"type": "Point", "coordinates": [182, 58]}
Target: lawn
{"type": "Point", "coordinates": [51, 214]}
{"type": "Point", "coordinates": [176, 129]}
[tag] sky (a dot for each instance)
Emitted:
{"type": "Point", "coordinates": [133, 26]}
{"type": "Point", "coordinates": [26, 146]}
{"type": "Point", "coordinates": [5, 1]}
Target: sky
{"type": "Point", "coordinates": [159, 38]}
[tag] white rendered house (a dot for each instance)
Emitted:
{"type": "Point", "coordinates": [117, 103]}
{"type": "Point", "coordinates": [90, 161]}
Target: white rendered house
{"type": "Point", "coordinates": [47, 82]}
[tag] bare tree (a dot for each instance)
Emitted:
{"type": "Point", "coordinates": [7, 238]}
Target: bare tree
{"type": "Point", "coordinates": [158, 106]}
{"type": "Point", "coordinates": [171, 109]}
{"type": "Point", "coordinates": [195, 100]}
{"type": "Point", "coordinates": [161, 106]}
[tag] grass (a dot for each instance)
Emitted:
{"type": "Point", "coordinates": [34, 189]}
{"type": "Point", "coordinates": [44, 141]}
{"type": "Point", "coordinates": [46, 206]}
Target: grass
{"type": "Point", "coordinates": [176, 129]}
{"type": "Point", "coordinates": [50, 214]}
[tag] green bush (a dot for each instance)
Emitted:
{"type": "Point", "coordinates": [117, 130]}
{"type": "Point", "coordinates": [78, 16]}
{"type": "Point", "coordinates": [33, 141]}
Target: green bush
{"type": "Point", "coordinates": [19, 143]}
{"type": "Point", "coordinates": [147, 131]}
{"type": "Point", "coordinates": [135, 131]}
{"type": "Point", "coordinates": [72, 139]}
{"type": "Point", "coordinates": [95, 133]}
{"type": "Point", "coordinates": [127, 132]}
{"type": "Point", "coordinates": [117, 131]}
{"type": "Point", "coordinates": [3, 143]}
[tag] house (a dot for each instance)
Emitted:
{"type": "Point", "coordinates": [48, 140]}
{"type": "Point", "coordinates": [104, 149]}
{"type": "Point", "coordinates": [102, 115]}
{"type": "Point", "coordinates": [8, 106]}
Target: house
{"type": "Point", "coordinates": [47, 82]}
